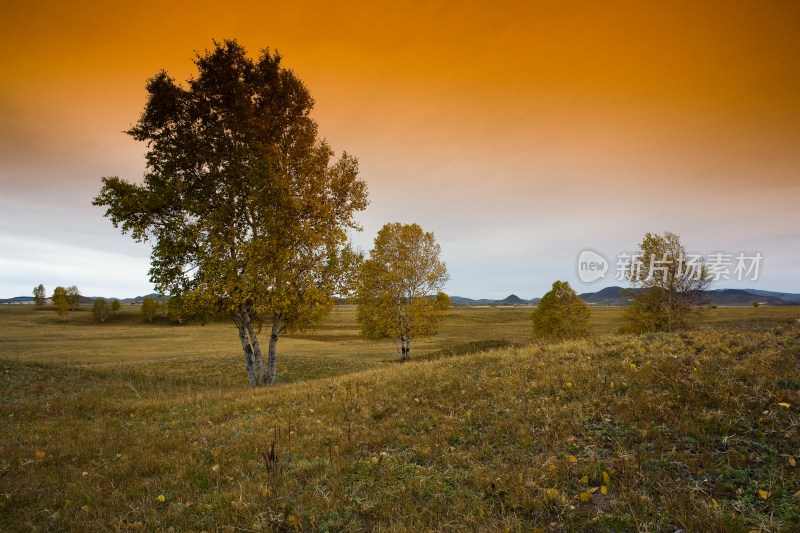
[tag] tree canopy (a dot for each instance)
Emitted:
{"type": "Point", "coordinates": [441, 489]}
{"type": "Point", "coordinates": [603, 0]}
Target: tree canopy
{"type": "Point", "coordinates": [39, 295]}
{"type": "Point", "coordinates": [671, 285]}
{"type": "Point", "coordinates": [399, 293]}
{"type": "Point", "coordinates": [561, 314]}
{"type": "Point", "coordinates": [101, 309]}
{"type": "Point", "coordinates": [60, 299]}
{"type": "Point", "coordinates": [246, 207]}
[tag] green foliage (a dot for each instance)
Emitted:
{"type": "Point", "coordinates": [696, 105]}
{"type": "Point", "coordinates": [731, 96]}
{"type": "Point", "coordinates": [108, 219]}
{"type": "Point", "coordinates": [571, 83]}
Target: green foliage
{"type": "Point", "coordinates": [149, 308]}
{"type": "Point", "coordinates": [60, 299]}
{"type": "Point", "coordinates": [561, 314]}
{"type": "Point", "coordinates": [101, 309]}
{"type": "Point", "coordinates": [399, 294]}
{"type": "Point", "coordinates": [756, 304]}
{"type": "Point", "coordinates": [247, 207]}
{"type": "Point", "coordinates": [39, 296]}
{"type": "Point", "coordinates": [670, 289]}
{"type": "Point", "coordinates": [116, 306]}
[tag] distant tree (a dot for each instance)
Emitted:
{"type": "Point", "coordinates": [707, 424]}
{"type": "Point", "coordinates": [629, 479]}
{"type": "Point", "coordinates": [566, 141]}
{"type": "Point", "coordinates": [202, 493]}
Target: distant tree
{"type": "Point", "coordinates": [60, 299]}
{"type": "Point", "coordinates": [561, 314]}
{"type": "Point", "coordinates": [101, 309]}
{"type": "Point", "coordinates": [175, 309]}
{"type": "Point", "coordinates": [756, 304]}
{"type": "Point", "coordinates": [247, 207]}
{"type": "Point", "coordinates": [399, 290]}
{"type": "Point", "coordinates": [116, 305]}
{"type": "Point", "coordinates": [39, 296]}
{"type": "Point", "coordinates": [149, 308]}
{"type": "Point", "coordinates": [671, 285]}
{"type": "Point", "coordinates": [74, 298]}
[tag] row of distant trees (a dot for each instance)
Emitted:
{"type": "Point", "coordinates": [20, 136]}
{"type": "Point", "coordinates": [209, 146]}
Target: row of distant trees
{"type": "Point", "coordinates": [66, 299]}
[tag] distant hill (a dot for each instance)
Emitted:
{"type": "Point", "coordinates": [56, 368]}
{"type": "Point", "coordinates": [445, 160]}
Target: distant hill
{"type": "Point", "coordinates": [788, 296]}
{"type": "Point", "coordinates": [608, 296]}
{"type": "Point", "coordinates": [511, 299]}
{"type": "Point", "coordinates": [621, 296]}
{"type": "Point", "coordinates": [745, 297]}
{"type": "Point", "coordinates": [18, 300]}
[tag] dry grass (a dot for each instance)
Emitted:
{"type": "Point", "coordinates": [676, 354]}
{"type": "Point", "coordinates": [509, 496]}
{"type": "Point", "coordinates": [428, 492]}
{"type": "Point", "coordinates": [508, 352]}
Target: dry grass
{"type": "Point", "coordinates": [683, 431]}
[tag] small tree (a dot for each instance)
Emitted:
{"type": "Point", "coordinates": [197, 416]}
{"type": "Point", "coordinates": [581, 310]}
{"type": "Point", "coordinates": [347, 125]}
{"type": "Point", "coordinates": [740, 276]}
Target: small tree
{"type": "Point", "coordinates": [101, 309]}
{"type": "Point", "coordinates": [561, 314]}
{"type": "Point", "coordinates": [73, 297]}
{"type": "Point", "coordinates": [149, 308]}
{"type": "Point", "coordinates": [116, 305]}
{"type": "Point", "coordinates": [61, 301]}
{"type": "Point", "coordinates": [399, 286]}
{"type": "Point", "coordinates": [671, 285]}
{"type": "Point", "coordinates": [39, 296]}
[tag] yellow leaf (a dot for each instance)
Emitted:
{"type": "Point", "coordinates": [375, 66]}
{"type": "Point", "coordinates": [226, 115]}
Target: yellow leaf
{"type": "Point", "coordinates": [585, 497]}
{"type": "Point", "coordinates": [792, 461]}
{"type": "Point", "coordinates": [633, 366]}
{"type": "Point", "coordinates": [215, 468]}
{"type": "Point", "coordinates": [605, 477]}
{"type": "Point", "coordinates": [40, 454]}
{"type": "Point", "coordinates": [568, 384]}
{"type": "Point", "coordinates": [785, 405]}
{"type": "Point", "coordinates": [584, 479]}
{"type": "Point", "coordinates": [603, 490]}
{"type": "Point", "coordinates": [161, 498]}
{"type": "Point", "coordinates": [215, 453]}
{"type": "Point", "coordinates": [552, 494]}
{"type": "Point", "coordinates": [763, 494]}
{"type": "Point", "coordinates": [572, 459]}
{"type": "Point", "coordinates": [714, 503]}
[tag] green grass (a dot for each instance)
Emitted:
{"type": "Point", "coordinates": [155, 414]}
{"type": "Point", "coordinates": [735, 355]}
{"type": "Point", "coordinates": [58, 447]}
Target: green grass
{"type": "Point", "coordinates": [97, 421]}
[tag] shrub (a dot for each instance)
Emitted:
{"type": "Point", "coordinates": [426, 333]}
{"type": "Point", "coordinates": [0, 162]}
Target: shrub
{"type": "Point", "coordinates": [561, 314]}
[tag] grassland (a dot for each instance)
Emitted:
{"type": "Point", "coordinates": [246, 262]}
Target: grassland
{"type": "Point", "coordinates": [135, 426]}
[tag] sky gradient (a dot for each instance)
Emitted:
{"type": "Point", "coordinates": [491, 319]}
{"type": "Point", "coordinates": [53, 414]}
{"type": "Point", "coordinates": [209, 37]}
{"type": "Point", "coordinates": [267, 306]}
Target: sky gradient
{"type": "Point", "coordinates": [518, 133]}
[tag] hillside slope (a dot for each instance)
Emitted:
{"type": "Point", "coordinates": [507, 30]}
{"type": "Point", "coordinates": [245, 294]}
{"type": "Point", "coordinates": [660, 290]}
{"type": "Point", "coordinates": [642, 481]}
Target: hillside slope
{"type": "Point", "coordinates": [698, 431]}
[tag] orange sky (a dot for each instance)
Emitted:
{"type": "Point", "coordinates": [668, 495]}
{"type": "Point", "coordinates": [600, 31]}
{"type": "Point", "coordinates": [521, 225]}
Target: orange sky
{"type": "Point", "coordinates": [519, 133]}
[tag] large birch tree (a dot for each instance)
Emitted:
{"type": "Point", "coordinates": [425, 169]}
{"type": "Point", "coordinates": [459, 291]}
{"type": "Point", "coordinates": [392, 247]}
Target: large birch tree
{"type": "Point", "coordinates": [246, 207]}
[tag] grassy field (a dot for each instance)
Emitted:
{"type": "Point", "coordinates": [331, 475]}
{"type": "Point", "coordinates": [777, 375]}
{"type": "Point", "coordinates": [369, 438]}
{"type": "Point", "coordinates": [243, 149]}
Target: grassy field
{"type": "Point", "coordinates": [135, 426]}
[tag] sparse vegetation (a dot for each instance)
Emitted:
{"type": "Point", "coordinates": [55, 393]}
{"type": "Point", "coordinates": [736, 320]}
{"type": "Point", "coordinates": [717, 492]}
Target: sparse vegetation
{"type": "Point", "coordinates": [666, 431]}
